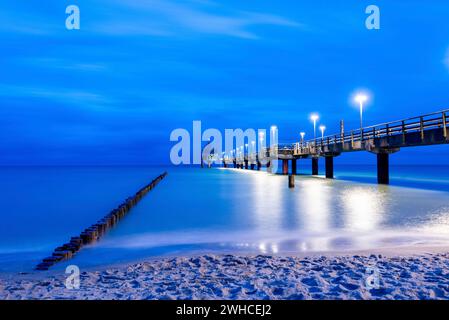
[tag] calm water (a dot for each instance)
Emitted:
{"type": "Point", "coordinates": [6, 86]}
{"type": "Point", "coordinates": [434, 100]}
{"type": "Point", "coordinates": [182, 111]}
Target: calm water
{"type": "Point", "coordinates": [217, 210]}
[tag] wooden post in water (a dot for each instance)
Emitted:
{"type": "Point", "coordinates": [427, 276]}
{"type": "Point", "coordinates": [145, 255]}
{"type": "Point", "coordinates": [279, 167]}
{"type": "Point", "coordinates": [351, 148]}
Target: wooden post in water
{"type": "Point", "coordinates": [291, 181]}
{"type": "Point", "coordinates": [284, 166]}
{"type": "Point", "coordinates": [294, 167]}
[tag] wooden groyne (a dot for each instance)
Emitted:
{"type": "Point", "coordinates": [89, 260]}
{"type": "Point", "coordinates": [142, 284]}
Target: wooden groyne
{"type": "Point", "coordinates": [94, 232]}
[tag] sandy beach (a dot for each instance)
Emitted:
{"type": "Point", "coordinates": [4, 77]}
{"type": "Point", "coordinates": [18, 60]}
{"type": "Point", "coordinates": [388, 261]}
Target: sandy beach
{"type": "Point", "coordinates": [375, 276]}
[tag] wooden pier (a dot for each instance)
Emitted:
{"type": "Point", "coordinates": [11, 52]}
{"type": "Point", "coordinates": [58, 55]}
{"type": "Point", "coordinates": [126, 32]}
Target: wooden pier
{"type": "Point", "coordinates": [382, 140]}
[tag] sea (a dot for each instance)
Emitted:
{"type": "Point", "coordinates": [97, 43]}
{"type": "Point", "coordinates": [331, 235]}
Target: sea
{"type": "Point", "coordinates": [218, 211]}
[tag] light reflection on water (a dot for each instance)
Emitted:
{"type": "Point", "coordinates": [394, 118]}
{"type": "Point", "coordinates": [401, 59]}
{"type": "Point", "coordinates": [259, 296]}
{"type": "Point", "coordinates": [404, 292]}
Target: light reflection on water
{"type": "Point", "coordinates": [264, 203]}
{"type": "Point", "coordinates": [314, 213]}
{"type": "Point", "coordinates": [364, 207]}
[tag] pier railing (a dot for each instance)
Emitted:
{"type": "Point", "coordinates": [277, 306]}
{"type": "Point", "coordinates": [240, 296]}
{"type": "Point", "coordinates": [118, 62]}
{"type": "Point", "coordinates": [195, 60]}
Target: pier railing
{"type": "Point", "coordinates": [355, 138]}
{"type": "Point", "coordinates": [428, 129]}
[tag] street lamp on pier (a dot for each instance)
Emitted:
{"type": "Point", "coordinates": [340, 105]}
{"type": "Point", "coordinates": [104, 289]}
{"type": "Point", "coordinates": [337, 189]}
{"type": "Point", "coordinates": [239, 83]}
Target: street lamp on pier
{"type": "Point", "coordinates": [314, 118]}
{"type": "Point", "coordinates": [302, 134]}
{"type": "Point", "coordinates": [261, 139]}
{"type": "Point", "coordinates": [322, 128]}
{"type": "Point", "coordinates": [361, 98]}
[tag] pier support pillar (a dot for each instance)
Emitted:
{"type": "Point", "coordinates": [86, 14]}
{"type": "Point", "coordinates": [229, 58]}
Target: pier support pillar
{"type": "Point", "coordinates": [329, 167]}
{"type": "Point", "coordinates": [246, 164]}
{"type": "Point", "coordinates": [294, 168]}
{"type": "Point", "coordinates": [314, 166]}
{"type": "Point", "coordinates": [258, 165]}
{"type": "Point", "coordinates": [284, 166]}
{"type": "Point", "coordinates": [225, 165]}
{"type": "Point", "coordinates": [383, 163]}
{"type": "Point", "coordinates": [383, 170]}
{"type": "Point", "coordinates": [252, 166]}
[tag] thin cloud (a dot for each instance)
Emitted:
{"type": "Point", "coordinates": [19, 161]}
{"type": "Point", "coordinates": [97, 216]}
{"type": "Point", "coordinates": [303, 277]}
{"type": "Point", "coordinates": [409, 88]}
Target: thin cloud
{"type": "Point", "coordinates": [169, 18]}
{"type": "Point", "coordinates": [154, 18]}
{"type": "Point", "coordinates": [68, 96]}
{"type": "Point", "coordinates": [64, 64]}
{"type": "Point", "coordinates": [30, 23]}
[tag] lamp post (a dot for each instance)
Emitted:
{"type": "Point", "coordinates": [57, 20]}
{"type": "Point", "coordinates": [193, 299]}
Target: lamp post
{"type": "Point", "coordinates": [314, 118]}
{"type": "Point", "coordinates": [261, 139]}
{"type": "Point", "coordinates": [322, 128]}
{"type": "Point", "coordinates": [360, 99]}
{"type": "Point", "coordinates": [302, 134]}
{"type": "Point", "coordinates": [273, 133]}
{"type": "Point", "coordinates": [273, 140]}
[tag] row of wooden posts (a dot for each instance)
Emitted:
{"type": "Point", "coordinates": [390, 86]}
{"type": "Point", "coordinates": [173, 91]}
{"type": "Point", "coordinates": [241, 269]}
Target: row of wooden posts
{"type": "Point", "coordinates": [94, 232]}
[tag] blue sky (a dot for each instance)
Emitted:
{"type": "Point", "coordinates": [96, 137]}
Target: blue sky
{"type": "Point", "coordinates": [112, 92]}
